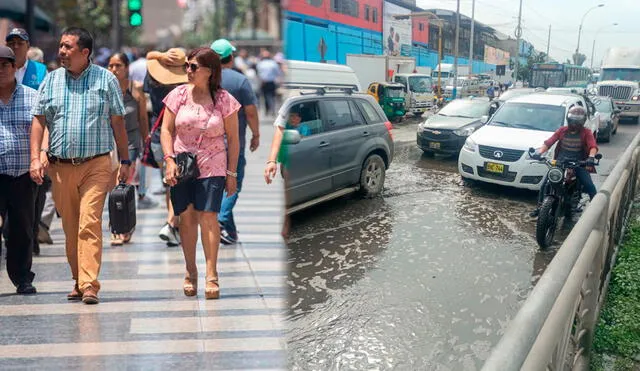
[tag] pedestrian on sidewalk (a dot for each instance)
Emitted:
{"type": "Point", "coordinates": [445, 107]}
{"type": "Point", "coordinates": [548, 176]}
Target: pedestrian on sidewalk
{"type": "Point", "coordinates": [17, 191]}
{"type": "Point", "coordinates": [81, 105]}
{"type": "Point", "coordinates": [197, 118]}
{"type": "Point", "coordinates": [165, 72]}
{"type": "Point", "coordinates": [240, 88]}
{"type": "Point", "coordinates": [137, 124]}
{"type": "Point", "coordinates": [269, 72]}
{"type": "Point", "coordinates": [30, 73]}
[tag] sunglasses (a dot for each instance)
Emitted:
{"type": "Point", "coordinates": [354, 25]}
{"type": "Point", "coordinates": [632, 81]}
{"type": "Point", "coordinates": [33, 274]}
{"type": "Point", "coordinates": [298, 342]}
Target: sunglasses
{"type": "Point", "coordinates": [192, 66]}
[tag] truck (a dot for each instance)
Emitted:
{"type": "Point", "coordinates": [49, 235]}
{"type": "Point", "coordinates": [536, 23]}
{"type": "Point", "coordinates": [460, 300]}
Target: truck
{"type": "Point", "coordinates": [620, 80]}
{"type": "Point", "coordinates": [418, 89]}
{"type": "Point", "coordinates": [375, 68]}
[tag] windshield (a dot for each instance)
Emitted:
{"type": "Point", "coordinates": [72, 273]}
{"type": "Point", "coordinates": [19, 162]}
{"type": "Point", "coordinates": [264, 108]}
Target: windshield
{"type": "Point", "coordinates": [420, 84]}
{"type": "Point", "coordinates": [465, 108]}
{"type": "Point", "coordinates": [529, 116]}
{"type": "Point", "coordinates": [394, 92]}
{"type": "Point", "coordinates": [603, 105]}
{"type": "Point", "coordinates": [547, 79]}
{"type": "Point", "coordinates": [622, 74]}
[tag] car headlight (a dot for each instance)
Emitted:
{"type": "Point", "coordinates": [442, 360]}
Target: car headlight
{"type": "Point", "coordinates": [636, 97]}
{"type": "Point", "coordinates": [470, 145]}
{"type": "Point", "coordinates": [465, 132]}
{"type": "Point", "coordinates": [421, 128]}
{"type": "Point", "coordinates": [555, 175]}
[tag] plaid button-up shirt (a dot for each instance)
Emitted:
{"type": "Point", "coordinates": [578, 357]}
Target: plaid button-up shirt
{"type": "Point", "coordinates": [15, 128]}
{"type": "Point", "coordinates": [78, 111]}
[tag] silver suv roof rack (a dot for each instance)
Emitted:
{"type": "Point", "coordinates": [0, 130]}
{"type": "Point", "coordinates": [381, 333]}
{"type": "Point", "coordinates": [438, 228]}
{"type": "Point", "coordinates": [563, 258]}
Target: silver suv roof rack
{"type": "Point", "coordinates": [322, 89]}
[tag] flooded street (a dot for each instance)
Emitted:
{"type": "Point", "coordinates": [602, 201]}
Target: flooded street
{"type": "Point", "coordinates": [425, 277]}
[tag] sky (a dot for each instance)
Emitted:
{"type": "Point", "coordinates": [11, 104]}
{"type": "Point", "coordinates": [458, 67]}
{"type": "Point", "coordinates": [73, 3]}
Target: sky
{"type": "Point", "coordinates": [564, 16]}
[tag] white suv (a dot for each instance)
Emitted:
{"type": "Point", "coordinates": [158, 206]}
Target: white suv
{"type": "Point", "coordinates": [497, 152]}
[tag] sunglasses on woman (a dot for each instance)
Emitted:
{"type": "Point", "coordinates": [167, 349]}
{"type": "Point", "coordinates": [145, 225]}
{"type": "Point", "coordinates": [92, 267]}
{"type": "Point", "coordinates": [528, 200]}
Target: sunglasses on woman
{"type": "Point", "coordinates": [192, 66]}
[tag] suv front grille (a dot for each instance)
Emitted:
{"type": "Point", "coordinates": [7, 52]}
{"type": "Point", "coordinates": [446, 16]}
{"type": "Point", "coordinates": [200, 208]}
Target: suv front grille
{"type": "Point", "coordinates": [615, 92]}
{"type": "Point", "coordinates": [507, 155]}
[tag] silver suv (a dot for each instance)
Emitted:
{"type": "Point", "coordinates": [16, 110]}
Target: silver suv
{"type": "Point", "coordinates": [337, 143]}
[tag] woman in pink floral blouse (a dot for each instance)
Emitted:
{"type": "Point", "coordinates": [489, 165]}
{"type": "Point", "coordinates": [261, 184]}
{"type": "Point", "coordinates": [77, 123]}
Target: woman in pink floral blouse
{"type": "Point", "coordinates": [197, 117]}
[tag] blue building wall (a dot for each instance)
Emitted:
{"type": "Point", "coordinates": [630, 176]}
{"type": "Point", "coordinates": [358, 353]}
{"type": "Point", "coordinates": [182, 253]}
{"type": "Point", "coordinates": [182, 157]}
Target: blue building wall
{"type": "Point", "coordinates": [303, 35]}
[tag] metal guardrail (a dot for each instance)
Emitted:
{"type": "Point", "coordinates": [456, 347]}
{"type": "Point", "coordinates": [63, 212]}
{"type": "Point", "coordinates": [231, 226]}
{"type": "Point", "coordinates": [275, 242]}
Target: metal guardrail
{"type": "Point", "coordinates": [554, 329]}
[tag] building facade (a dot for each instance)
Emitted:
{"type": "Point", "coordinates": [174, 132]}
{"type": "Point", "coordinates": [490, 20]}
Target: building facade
{"type": "Point", "coordinates": [328, 30]}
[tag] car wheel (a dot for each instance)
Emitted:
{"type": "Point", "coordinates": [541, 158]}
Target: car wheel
{"type": "Point", "coordinates": [418, 115]}
{"type": "Point", "coordinates": [372, 176]}
{"type": "Point", "coordinates": [467, 182]}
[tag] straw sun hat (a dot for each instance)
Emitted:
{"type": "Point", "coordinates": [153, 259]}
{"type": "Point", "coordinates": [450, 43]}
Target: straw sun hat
{"type": "Point", "coordinates": [169, 74]}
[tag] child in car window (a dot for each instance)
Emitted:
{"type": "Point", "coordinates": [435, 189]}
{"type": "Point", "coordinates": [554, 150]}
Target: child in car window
{"type": "Point", "coordinates": [295, 123]}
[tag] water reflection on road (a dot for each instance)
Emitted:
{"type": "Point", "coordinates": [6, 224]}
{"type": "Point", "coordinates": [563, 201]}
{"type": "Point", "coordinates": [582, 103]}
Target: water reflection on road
{"type": "Point", "coordinates": [424, 278]}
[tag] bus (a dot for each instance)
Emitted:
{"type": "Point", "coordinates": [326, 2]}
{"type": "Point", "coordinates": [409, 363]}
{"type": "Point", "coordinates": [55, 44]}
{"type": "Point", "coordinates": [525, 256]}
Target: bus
{"type": "Point", "coordinates": [556, 75]}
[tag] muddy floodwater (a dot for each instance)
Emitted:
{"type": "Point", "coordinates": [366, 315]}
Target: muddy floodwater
{"type": "Point", "coordinates": [424, 278]}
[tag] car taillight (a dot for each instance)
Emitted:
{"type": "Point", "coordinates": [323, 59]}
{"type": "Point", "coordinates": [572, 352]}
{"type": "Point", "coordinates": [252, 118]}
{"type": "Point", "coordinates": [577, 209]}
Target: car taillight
{"type": "Point", "coordinates": [389, 127]}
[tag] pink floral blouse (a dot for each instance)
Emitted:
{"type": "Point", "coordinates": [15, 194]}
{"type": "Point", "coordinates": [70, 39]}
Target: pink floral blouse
{"type": "Point", "coordinates": [197, 123]}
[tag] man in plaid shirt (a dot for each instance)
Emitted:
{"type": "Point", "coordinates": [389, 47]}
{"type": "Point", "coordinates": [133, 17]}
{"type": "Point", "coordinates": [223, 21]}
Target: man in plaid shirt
{"type": "Point", "coordinates": [82, 106]}
{"type": "Point", "coordinates": [17, 190]}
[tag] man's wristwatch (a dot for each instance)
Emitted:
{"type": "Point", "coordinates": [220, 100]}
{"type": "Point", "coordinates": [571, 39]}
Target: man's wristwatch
{"type": "Point", "coordinates": [125, 162]}
{"type": "Point", "coordinates": [235, 175]}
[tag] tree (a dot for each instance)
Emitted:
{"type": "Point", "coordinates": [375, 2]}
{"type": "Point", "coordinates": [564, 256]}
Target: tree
{"type": "Point", "coordinates": [579, 59]}
{"type": "Point", "coordinates": [93, 15]}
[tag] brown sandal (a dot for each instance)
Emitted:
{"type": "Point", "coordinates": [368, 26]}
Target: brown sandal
{"type": "Point", "coordinates": [190, 286]}
{"type": "Point", "coordinates": [212, 290]}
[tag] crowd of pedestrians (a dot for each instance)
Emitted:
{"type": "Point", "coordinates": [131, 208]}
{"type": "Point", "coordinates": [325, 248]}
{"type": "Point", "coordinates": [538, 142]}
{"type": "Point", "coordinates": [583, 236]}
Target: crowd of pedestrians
{"type": "Point", "coordinates": [70, 132]}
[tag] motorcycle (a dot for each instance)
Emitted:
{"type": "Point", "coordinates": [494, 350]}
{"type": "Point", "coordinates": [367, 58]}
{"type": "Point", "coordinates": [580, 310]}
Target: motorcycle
{"type": "Point", "coordinates": [561, 195]}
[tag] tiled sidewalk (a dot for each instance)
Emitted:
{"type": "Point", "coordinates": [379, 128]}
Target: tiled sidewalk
{"type": "Point", "coordinates": [144, 322]}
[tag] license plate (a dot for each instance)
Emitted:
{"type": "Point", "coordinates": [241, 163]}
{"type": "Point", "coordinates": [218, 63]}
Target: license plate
{"type": "Point", "coordinates": [494, 168]}
{"type": "Point", "coordinates": [434, 145]}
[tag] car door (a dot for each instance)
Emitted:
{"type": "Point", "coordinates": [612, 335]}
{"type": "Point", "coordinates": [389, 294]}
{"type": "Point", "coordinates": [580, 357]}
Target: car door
{"type": "Point", "coordinates": [348, 134]}
{"type": "Point", "coordinates": [310, 159]}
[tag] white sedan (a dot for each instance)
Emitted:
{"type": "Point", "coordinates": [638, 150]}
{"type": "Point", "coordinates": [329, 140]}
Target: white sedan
{"type": "Point", "coordinates": [497, 152]}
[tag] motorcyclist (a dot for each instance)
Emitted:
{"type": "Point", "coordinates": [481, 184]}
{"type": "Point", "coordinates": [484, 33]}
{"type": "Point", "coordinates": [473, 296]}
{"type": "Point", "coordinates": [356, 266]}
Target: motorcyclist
{"type": "Point", "coordinates": [576, 143]}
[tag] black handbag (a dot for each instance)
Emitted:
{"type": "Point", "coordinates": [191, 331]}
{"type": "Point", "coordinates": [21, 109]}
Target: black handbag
{"type": "Point", "coordinates": [187, 164]}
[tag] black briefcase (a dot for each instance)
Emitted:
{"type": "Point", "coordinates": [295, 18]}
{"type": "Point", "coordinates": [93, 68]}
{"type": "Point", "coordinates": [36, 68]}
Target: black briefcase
{"type": "Point", "coordinates": [122, 208]}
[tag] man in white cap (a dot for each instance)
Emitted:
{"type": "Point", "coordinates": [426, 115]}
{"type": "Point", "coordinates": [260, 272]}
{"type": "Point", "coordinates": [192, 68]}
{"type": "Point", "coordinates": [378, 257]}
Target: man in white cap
{"type": "Point", "coordinates": [239, 86]}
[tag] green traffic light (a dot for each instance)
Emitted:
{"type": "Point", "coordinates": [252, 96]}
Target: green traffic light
{"type": "Point", "coordinates": [135, 20]}
{"type": "Point", "coordinates": [135, 5]}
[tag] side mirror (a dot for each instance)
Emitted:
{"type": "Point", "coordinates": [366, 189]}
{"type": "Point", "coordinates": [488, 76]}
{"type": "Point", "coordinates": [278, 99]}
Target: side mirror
{"type": "Point", "coordinates": [598, 156]}
{"type": "Point", "coordinates": [532, 150]}
{"type": "Point", "coordinates": [484, 119]}
{"type": "Point", "coordinates": [291, 137]}
{"type": "Point", "coordinates": [617, 112]}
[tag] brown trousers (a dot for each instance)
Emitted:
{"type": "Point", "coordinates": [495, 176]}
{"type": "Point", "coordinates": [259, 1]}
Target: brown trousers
{"type": "Point", "coordinates": [79, 193]}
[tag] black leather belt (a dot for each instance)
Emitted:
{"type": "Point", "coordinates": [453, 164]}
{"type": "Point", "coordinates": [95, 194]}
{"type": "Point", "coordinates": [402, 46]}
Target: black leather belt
{"type": "Point", "coordinates": [74, 161]}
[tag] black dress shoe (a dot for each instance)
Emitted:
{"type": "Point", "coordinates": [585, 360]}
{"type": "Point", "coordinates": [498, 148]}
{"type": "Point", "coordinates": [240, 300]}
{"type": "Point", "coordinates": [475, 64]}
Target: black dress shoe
{"type": "Point", "coordinates": [26, 289]}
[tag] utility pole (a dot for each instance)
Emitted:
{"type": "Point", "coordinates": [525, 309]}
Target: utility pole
{"type": "Point", "coordinates": [518, 35]}
{"type": "Point", "coordinates": [473, 24]}
{"type": "Point", "coordinates": [116, 29]}
{"type": "Point", "coordinates": [30, 23]}
{"type": "Point", "coordinates": [455, 57]}
{"type": "Point", "coordinates": [548, 44]}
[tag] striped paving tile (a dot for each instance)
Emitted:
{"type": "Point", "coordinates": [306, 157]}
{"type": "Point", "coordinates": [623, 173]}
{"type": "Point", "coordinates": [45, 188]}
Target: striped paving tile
{"type": "Point", "coordinates": [144, 321]}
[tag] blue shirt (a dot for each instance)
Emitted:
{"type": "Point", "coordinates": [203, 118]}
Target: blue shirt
{"type": "Point", "coordinates": [239, 87]}
{"type": "Point", "coordinates": [268, 70]}
{"type": "Point", "coordinates": [34, 74]}
{"type": "Point", "coordinates": [78, 111]}
{"type": "Point", "coordinates": [15, 128]}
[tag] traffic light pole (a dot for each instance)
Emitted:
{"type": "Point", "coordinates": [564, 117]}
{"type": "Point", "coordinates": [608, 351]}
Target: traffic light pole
{"type": "Point", "coordinates": [116, 28]}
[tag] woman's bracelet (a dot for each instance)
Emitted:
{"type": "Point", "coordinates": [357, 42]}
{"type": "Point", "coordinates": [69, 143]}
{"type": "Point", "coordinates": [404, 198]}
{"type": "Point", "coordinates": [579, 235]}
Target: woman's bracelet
{"type": "Point", "coordinates": [270, 161]}
{"type": "Point", "coordinates": [169, 156]}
